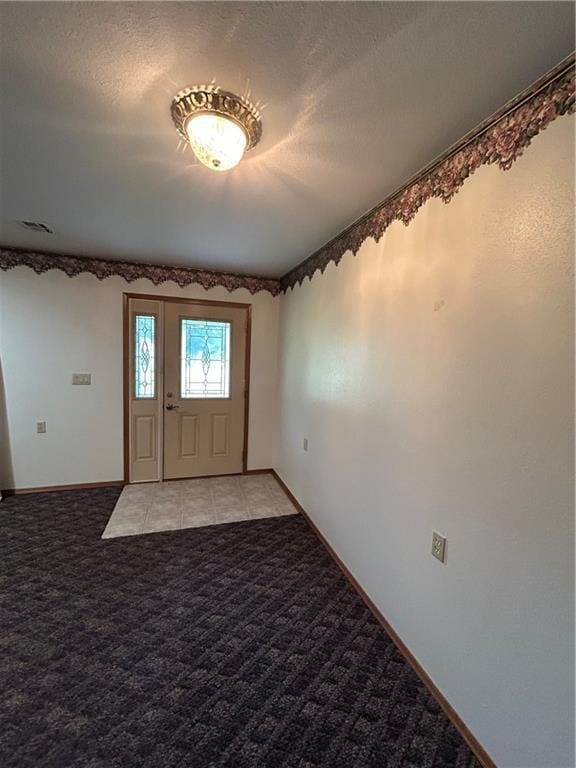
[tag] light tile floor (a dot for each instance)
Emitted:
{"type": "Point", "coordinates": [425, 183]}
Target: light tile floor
{"type": "Point", "coordinates": [176, 504]}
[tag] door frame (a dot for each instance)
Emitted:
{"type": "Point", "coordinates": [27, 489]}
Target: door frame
{"type": "Point", "coordinates": [126, 365]}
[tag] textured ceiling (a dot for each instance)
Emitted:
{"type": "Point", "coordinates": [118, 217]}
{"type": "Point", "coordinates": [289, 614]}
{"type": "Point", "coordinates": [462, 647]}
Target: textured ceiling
{"type": "Point", "coordinates": [355, 98]}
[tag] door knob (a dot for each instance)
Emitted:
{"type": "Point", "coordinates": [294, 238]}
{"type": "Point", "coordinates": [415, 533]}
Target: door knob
{"type": "Point", "coordinates": [171, 407]}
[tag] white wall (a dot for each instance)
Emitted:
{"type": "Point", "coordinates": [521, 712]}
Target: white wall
{"type": "Point", "coordinates": [433, 377]}
{"type": "Point", "coordinates": [51, 326]}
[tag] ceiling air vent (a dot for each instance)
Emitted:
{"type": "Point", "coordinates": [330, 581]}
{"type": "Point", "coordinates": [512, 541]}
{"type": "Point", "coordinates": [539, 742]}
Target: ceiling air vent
{"type": "Point", "coordinates": [36, 226]}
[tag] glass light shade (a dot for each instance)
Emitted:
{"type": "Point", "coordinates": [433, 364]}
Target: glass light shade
{"type": "Point", "coordinates": [218, 142]}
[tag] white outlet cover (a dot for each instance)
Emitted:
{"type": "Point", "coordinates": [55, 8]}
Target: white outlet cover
{"type": "Point", "coordinates": [439, 547]}
{"type": "Point", "coordinates": [84, 379]}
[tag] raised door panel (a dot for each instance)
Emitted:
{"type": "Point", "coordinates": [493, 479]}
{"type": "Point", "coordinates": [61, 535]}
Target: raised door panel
{"type": "Point", "coordinates": [189, 436]}
{"type": "Point", "coordinates": [144, 438]}
{"type": "Point", "coordinates": [219, 435]}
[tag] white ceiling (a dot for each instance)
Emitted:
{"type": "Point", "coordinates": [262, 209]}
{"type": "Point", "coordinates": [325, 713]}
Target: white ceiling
{"type": "Point", "coordinates": [356, 98]}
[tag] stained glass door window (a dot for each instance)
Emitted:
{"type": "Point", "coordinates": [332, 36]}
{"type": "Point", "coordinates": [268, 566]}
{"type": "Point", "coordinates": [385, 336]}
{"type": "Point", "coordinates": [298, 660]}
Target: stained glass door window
{"type": "Point", "coordinates": [144, 356]}
{"type": "Point", "coordinates": [204, 358]}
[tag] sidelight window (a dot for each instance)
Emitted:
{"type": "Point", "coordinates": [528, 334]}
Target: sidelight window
{"type": "Point", "coordinates": [144, 356]}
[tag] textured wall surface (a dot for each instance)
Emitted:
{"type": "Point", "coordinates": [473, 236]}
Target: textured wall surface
{"type": "Point", "coordinates": [433, 377]}
{"type": "Point", "coordinates": [51, 326]}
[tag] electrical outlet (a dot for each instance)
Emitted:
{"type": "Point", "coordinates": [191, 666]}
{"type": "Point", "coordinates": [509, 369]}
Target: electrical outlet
{"type": "Point", "coordinates": [439, 547]}
{"type": "Point", "coordinates": [305, 444]}
{"type": "Point", "coordinates": [41, 427]}
{"type": "Point", "coordinates": [84, 379]}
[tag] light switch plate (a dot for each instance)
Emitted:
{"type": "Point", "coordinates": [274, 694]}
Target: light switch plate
{"type": "Point", "coordinates": [84, 379]}
{"type": "Point", "coordinates": [439, 547]}
{"type": "Point", "coordinates": [305, 444]}
{"type": "Point", "coordinates": [41, 427]}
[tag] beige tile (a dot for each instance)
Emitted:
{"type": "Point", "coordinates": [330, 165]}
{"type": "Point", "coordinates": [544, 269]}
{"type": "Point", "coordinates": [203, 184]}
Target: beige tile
{"type": "Point", "coordinates": [231, 515]}
{"type": "Point", "coordinates": [226, 484]}
{"type": "Point", "coordinates": [283, 511]}
{"type": "Point", "coordinates": [160, 509]}
{"type": "Point", "coordinates": [252, 481]}
{"type": "Point", "coordinates": [128, 513]}
{"type": "Point", "coordinates": [229, 500]}
{"type": "Point", "coordinates": [120, 533]}
{"type": "Point", "coordinates": [256, 496]}
{"type": "Point", "coordinates": [174, 504]}
{"type": "Point", "coordinates": [179, 486]}
{"type": "Point", "coordinates": [284, 507]}
{"type": "Point", "coordinates": [197, 519]}
{"type": "Point", "coordinates": [155, 525]}
{"type": "Point", "coordinates": [235, 510]}
{"type": "Point", "coordinates": [123, 528]}
{"type": "Point", "coordinates": [132, 505]}
{"type": "Point", "coordinates": [267, 481]}
{"type": "Point", "coordinates": [196, 498]}
{"type": "Point", "coordinates": [138, 490]}
{"type": "Point", "coordinates": [197, 506]}
{"type": "Point", "coordinates": [276, 490]}
{"type": "Point", "coordinates": [259, 512]}
{"type": "Point", "coordinates": [167, 491]}
{"type": "Point", "coordinates": [199, 482]}
{"type": "Point", "coordinates": [134, 487]}
{"type": "Point", "coordinates": [202, 485]}
{"type": "Point", "coordinates": [130, 508]}
{"type": "Point", "coordinates": [276, 507]}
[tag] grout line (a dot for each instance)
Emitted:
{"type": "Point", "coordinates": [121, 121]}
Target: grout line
{"type": "Point", "coordinates": [213, 511]}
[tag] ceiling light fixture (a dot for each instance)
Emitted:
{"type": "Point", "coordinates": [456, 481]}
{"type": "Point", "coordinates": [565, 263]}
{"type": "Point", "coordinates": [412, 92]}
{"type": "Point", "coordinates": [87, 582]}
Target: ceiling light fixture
{"type": "Point", "coordinates": [218, 125]}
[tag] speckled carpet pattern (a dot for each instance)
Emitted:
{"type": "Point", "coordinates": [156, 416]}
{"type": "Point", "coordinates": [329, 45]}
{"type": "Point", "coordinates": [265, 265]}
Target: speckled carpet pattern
{"type": "Point", "coordinates": [239, 645]}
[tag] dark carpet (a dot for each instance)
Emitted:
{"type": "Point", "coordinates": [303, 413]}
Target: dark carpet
{"type": "Point", "coordinates": [237, 646]}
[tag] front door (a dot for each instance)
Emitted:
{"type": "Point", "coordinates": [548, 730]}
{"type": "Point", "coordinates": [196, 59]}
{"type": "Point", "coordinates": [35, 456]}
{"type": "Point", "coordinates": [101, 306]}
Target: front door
{"type": "Point", "coordinates": [204, 353]}
{"type": "Point", "coordinates": [187, 388]}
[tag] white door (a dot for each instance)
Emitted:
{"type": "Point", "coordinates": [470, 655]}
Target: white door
{"type": "Point", "coordinates": [187, 389]}
{"type": "Point", "coordinates": [204, 353]}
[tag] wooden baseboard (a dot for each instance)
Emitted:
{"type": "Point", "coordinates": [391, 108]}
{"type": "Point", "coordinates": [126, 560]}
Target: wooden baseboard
{"type": "Point", "coordinates": [51, 488]}
{"type": "Point", "coordinates": [268, 471]}
{"type": "Point", "coordinates": [481, 754]}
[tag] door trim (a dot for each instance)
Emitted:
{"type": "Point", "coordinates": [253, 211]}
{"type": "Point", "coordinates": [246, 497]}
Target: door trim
{"type": "Point", "coordinates": [126, 364]}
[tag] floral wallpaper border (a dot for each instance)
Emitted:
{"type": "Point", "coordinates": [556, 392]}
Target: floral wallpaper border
{"type": "Point", "coordinates": [500, 139]}
{"type": "Point", "coordinates": [130, 271]}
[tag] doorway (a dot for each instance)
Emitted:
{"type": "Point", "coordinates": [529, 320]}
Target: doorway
{"type": "Point", "coordinates": [186, 388]}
